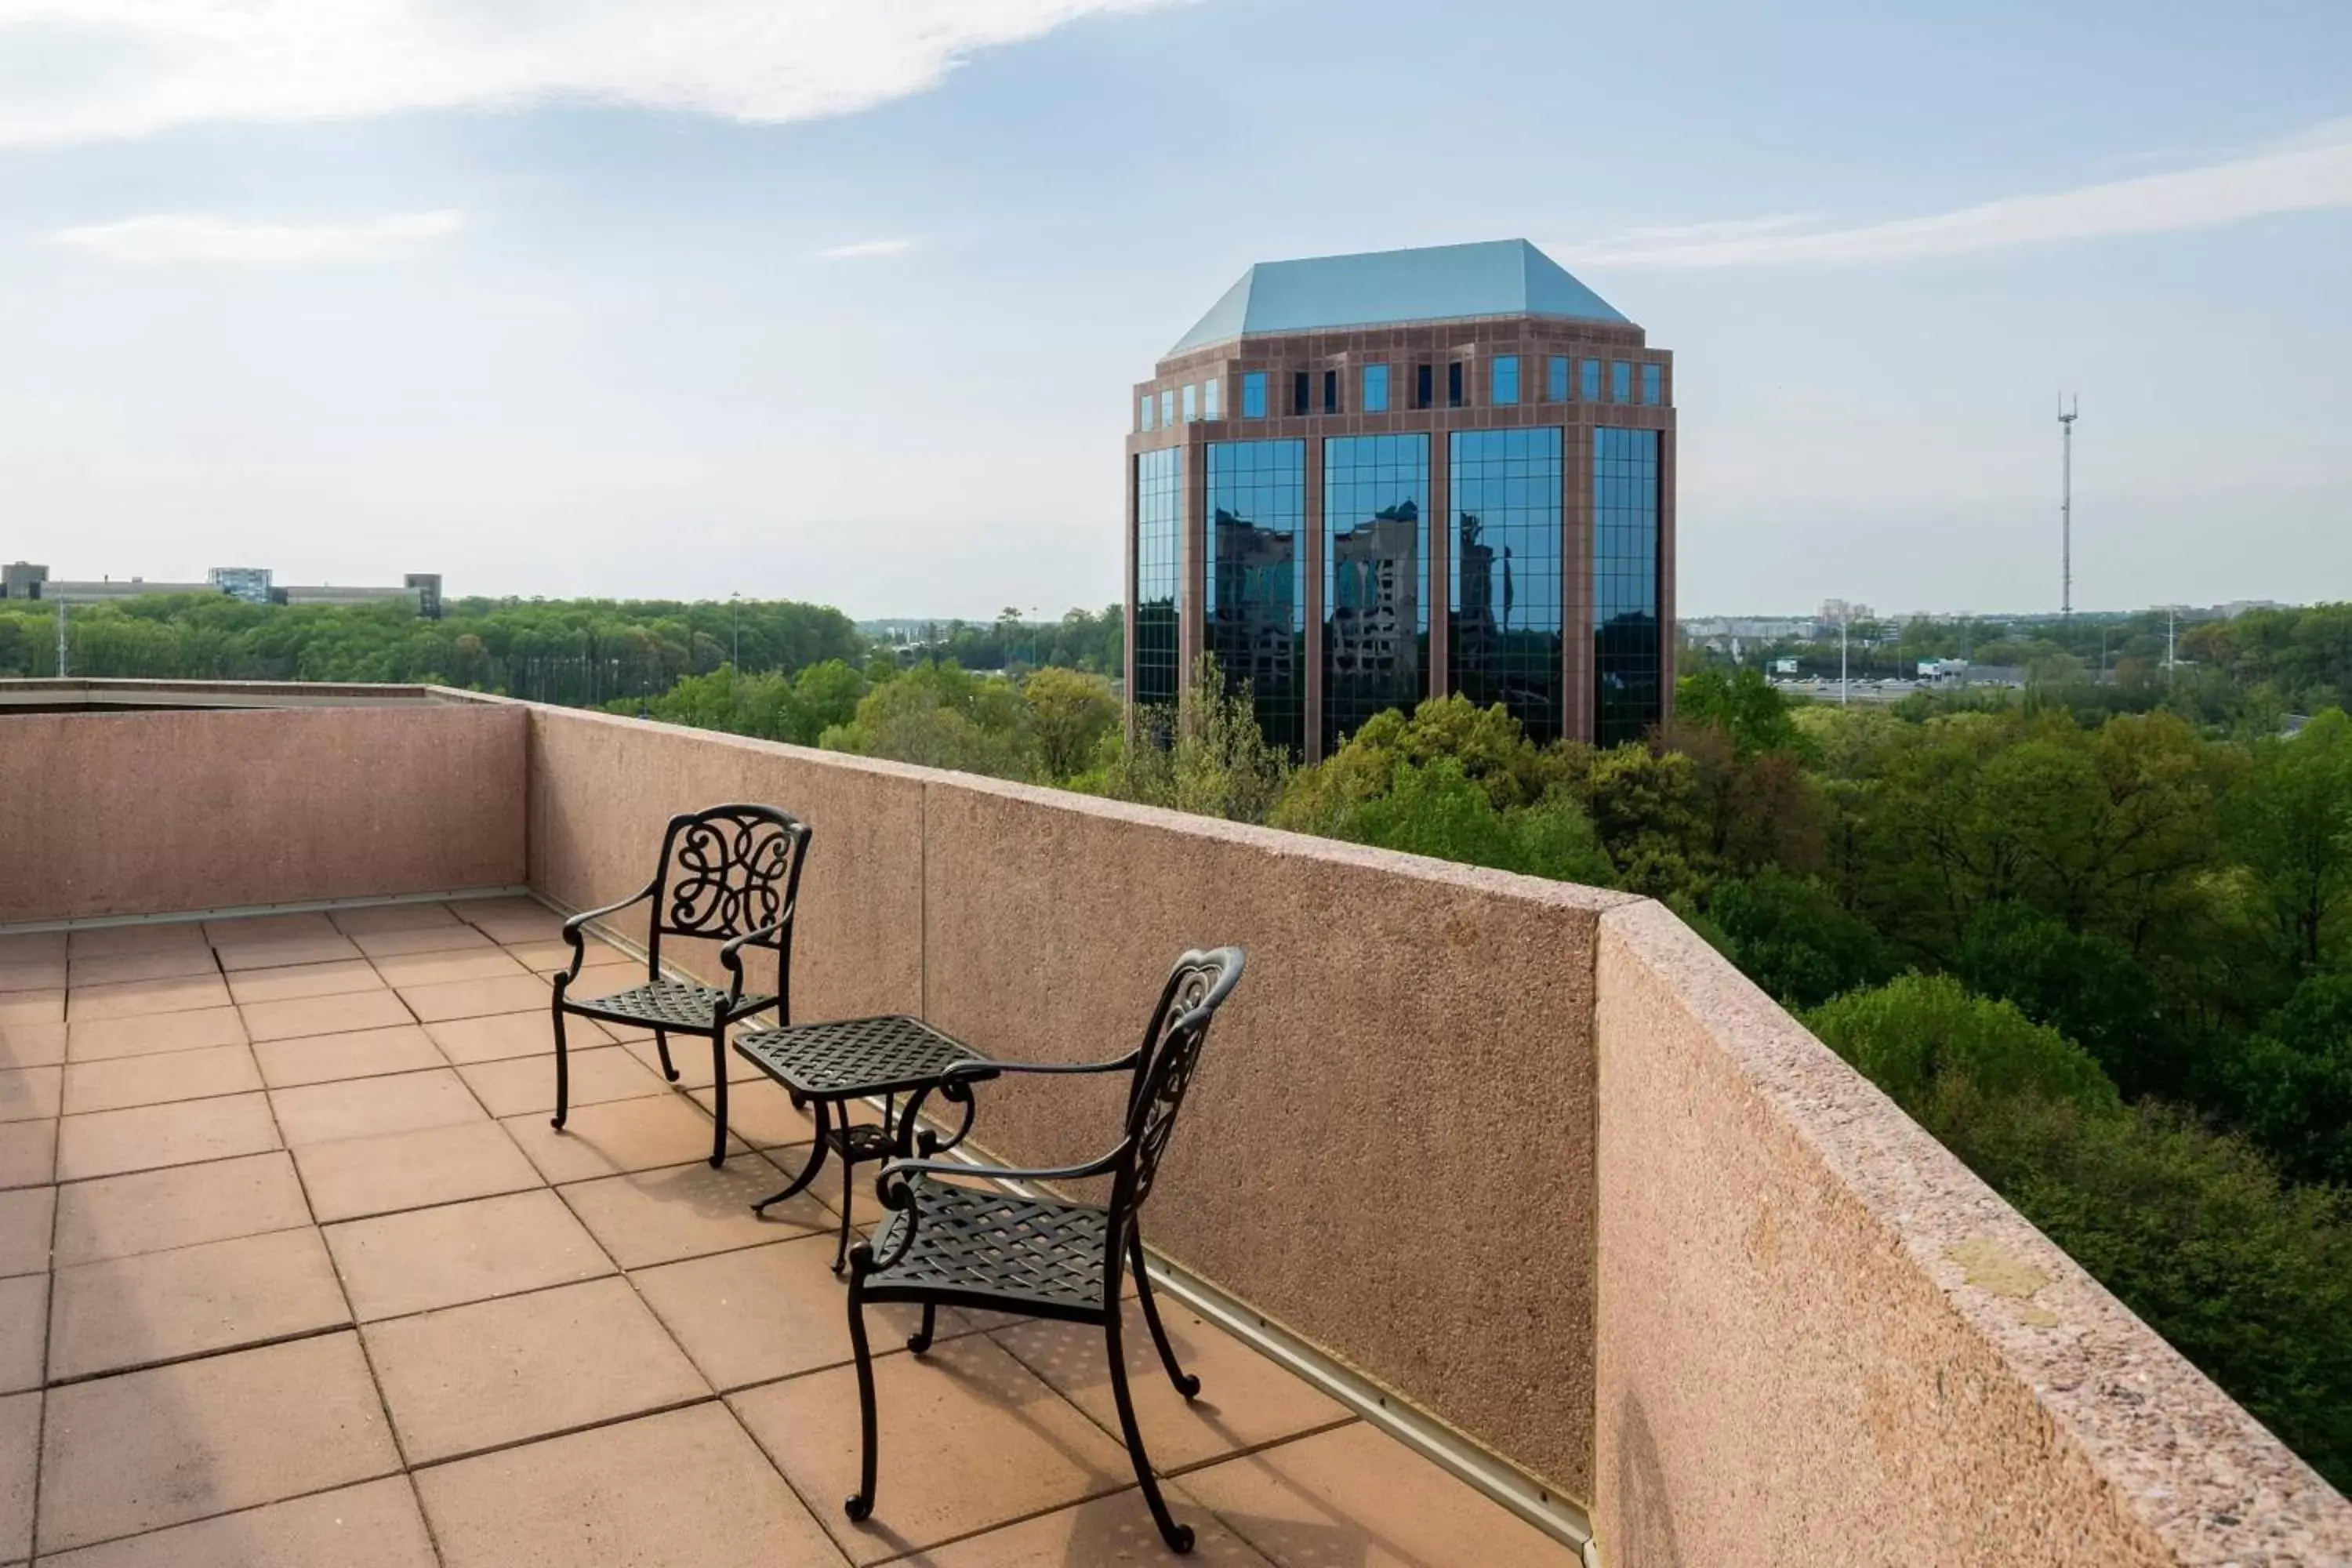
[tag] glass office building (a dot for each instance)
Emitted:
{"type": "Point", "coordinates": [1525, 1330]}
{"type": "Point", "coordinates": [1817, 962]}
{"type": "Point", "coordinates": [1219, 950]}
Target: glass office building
{"type": "Point", "coordinates": [1443, 471]}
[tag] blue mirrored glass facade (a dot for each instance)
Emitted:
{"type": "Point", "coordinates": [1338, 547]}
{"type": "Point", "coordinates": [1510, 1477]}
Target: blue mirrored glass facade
{"type": "Point", "coordinates": [1621, 382]}
{"type": "Point", "coordinates": [1253, 394]}
{"type": "Point", "coordinates": [1159, 572]}
{"type": "Point", "coordinates": [1653, 381]}
{"type": "Point", "coordinates": [1257, 579]}
{"type": "Point", "coordinates": [1505, 606]}
{"type": "Point", "coordinates": [1504, 386]}
{"type": "Point", "coordinates": [1556, 379]}
{"type": "Point", "coordinates": [1375, 576]}
{"type": "Point", "coordinates": [1589, 377]}
{"type": "Point", "coordinates": [1626, 645]}
{"type": "Point", "coordinates": [1376, 389]}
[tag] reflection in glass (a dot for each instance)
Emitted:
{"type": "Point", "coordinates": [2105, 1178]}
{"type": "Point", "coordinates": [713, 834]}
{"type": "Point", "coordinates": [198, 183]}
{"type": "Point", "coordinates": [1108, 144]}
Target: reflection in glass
{"type": "Point", "coordinates": [1591, 377]}
{"type": "Point", "coordinates": [1506, 385]}
{"type": "Point", "coordinates": [1257, 581]}
{"type": "Point", "coordinates": [1376, 389]}
{"type": "Point", "coordinates": [1556, 379]}
{"type": "Point", "coordinates": [1254, 396]}
{"type": "Point", "coordinates": [1209, 397]}
{"type": "Point", "coordinates": [1191, 403]}
{"type": "Point", "coordinates": [1375, 544]}
{"type": "Point", "coordinates": [1506, 645]}
{"type": "Point", "coordinates": [1653, 380]}
{"type": "Point", "coordinates": [1168, 407]}
{"type": "Point", "coordinates": [1159, 522]}
{"type": "Point", "coordinates": [1626, 663]}
{"type": "Point", "coordinates": [1621, 382]}
{"type": "Point", "coordinates": [1148, 405]}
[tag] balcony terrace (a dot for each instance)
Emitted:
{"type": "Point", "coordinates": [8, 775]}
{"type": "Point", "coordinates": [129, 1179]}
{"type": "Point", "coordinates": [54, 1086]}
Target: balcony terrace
{"type": "Point", "coordinates": [1502, 1211]}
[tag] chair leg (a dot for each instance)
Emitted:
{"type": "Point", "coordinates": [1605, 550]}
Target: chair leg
{"type": "Point", "coordinates": [718, 1101]}
{"type": "Point", "coordinates": [1186, 1384]}
{"type": "Point", "coordinates": [661, 1048]}
{"type": "Point", "coordinates": [562, 1072]}
{"type": "Point", "coordinates": [1178, 1536]}
{"type": "Point", "coordinates": [861, 1502]}
{"type": "Point", "coordinates": [920, 1339]}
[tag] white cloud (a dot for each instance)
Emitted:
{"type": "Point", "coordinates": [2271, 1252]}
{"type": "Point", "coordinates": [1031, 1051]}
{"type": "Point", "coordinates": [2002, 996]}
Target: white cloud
{"type": "Point", "coordinates": [172, 238]}
{"type": "Point", "coordinates": [865, 249]}
{"type": "Point", "coordinates": [2312, 171]}
{"type": "Point", "coordinates": [112, 69]}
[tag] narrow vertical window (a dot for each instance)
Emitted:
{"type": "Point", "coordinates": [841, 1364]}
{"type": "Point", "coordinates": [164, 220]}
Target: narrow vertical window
{"type": "Point", "coordinates": [1504, 384]}
{"type": "Point", "coordinates": [1376, 389]}
{"type": "Point", "coordinates": [1423, 385]}
{"type": "Point", "coordinates": [1621, 382]}
{"type": "Point", "coordinates": [1209, 397]}
{"type": "Point", "coordinates": [1591, 377]}
{"type": "Point", "coordinates": [1191, 403]}
{"type": "Point", "coordinates": [1454, 384]}
{"type": "Point", "coordinates": [1556, 379]}
{"type": "Point", "coordinates": [1254, 396]}
{"type": "Point", "coordinates": [1331, 392]}
{"type": "Point", "coordinates": [1653, 383]}
{"type": "Point", "coordinates": [1299, 391]}
{"type": "Point", "coordinates": [1147, 404]}
{"type": "Point", "coordinates": [1168, 407]}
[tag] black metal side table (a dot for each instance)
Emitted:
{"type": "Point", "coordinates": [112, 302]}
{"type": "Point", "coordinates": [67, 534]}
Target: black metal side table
{"type": "Point", "coordinates": [827, 1065]}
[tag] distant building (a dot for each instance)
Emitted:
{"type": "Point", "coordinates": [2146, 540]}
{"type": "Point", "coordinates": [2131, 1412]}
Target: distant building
{"type": "Point", "coordinates": [426, 586]}
{"type": "Point", "coordinates": [112, 590]}
{"type": "Point", "coordinates": [1289, 454]}
{"type": "Point", "coordinates": [250, 584]}
{"type": "Point", "coordinates": [329, 593]}
{"type": "Point", "coordinates": [21, 580]}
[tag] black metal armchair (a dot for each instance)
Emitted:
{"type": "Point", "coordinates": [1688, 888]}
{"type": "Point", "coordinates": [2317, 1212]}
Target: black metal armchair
{"type": "Point", "coordinates": [954, 1245]}
{"type": "Point", "coordinates": [731, 874]}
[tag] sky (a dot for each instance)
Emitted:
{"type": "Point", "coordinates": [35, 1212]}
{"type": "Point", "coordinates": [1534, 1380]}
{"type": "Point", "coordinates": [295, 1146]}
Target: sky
{"type": "Point", "coordinates": [841, 300]}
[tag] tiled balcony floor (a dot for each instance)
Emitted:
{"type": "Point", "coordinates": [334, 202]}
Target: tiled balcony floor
{"type": "Point", "coordinates": [294, 1272]}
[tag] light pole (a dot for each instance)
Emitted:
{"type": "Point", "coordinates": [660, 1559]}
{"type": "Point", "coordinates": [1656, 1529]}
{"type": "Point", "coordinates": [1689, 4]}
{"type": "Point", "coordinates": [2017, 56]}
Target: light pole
{"type": "Point", "coordinates": [1845, 690]}
{"type": "Point", "coordinates": [61, 640]}
{"type": "Point", "coordinates": [735, 615]}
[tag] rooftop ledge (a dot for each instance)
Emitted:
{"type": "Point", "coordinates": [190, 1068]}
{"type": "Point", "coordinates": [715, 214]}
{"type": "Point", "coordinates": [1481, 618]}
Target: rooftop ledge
{"type": "Point", "coordinates": [1522, 1169]}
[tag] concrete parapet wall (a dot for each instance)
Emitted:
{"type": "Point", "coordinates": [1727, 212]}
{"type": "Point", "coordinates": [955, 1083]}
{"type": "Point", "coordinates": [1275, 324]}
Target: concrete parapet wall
{"type": "Point", "coordinates": [161, 813]}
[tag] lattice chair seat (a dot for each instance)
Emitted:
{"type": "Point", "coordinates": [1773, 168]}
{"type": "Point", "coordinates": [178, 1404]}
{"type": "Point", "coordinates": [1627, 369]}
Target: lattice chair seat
{"type": "Point", "coordinates": [888, 1055]}
{"type": "Point", "coordinates": [1020, 1251]}
{"type": "Point", "coordinates": [672, 1005]}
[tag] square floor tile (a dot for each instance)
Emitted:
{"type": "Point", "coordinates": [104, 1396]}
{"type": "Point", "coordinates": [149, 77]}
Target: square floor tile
{"type": "Point", "coordinates": [361, 1052]}
{"type": "Point", "coordinates": [616, 1136]}
{"type": "Point", "coordinates": [760, 1113]}
{"type": "Point", "coordinates": [373, 1525]}
{"type": "Point", "coordinates": [406, 968]}
{"type": "Point", "coordinates": [334, 979]}
{"type": "Point", "coordinates": [970, 1440]}
{"type": "Point", "coordinates": [32, 1044]}
{"type": "Point", "coordinates": [24, 1306]}
{"type": "Point", "coordinates": [414, 1262]}
{"type": "Point", "coordinates": [364, 1107]}
{"type": "Point", "coordinates": [476, 998]}
{"type": "Point", "coordinates": [245, 1428]}
{"type": "Point", "coordinates": [30, 946]}
{"type": "Point", "coordinates": [125, 1081]}
{"type": "Point", "coordinates": [416, 914]}
{"type": "Point", "coordinates": [152, 1035]}
{"type": "Point", "coordinates": [40, 974]}
{"type": "Point", "coordinates": [288, 952]}
{"type": "Point", "coordinates": [43, 1006]}
{"type": "Point", "coordinates": [1356, 1495]}
{"type": "Point", "coordinates": [765, 1313]}
{"type": "Point", "coordinates": [513, 927]}
{"type": "Point", "coordinates": [106, 1143]}
{"type": "Point", "coordinates": [503, 1036]}
{"type": "Point", "coordinates": [28, 1153]}
{"type": "Point", "coordinates": [150, 1211]}
{"type": "Point", "coordinates": [1114, 1530]}
{"type": "Point", "coordinates": [548, 957]}
{"type": "Point", "coordinates": [29, 1094]}
{"type": "Point", "coordinates": [451, 936]}
{"type": "Point", "coordinates": [353, 1177]}
{"type": "Point", "coordinates": [691, 1057]}
{"type": "Point", "coordinates": [527, 1084]}
{"type": "Point", "coordinates": [27, 1216]}
{"type": "Point", "coordinates": [1246, 1401]}
{"type": "Point", "coordinates": [100, 941]}
{"type": "Point", "coordinates": [137, 998]}
{"type": "Point", "coordinates": [162, 1306]}
{"type": "Point", "coordinates": [301, 1016]}
{"type": "Point", "coordinates": [164, 964]}
{"type": "Point", "coordinates": [660, 1216]}
{"type": "Point", "coordinates": [20, 1457]}
{"type": "Point", "coordinates": [244, 931]}
{"type": "Point", "coordinates": [687, 1486]}
{"type": "Point", "coordinates": [478, 1376]}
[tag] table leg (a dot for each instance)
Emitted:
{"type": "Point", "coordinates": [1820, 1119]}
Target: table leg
{"type": "Point", "coordinates": [817, 1151]}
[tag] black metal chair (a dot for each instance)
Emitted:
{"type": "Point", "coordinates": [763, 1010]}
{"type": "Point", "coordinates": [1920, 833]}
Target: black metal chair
{"type": "Point", "coordinates": [947, 1244]}
{"type": "Point", "coordinates": [731, 874]}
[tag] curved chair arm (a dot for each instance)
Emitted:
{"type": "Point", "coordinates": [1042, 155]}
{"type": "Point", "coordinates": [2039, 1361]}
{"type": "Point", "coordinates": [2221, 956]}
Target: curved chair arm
{"type": "Point", "coordinates": [954, 1085]}
{"type": "Point", "coordinates": [574, 927]}
{"type": "Point", "coordinates": [897, 1193]}
{"type": "Point", "coordinates": [731, 955]}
